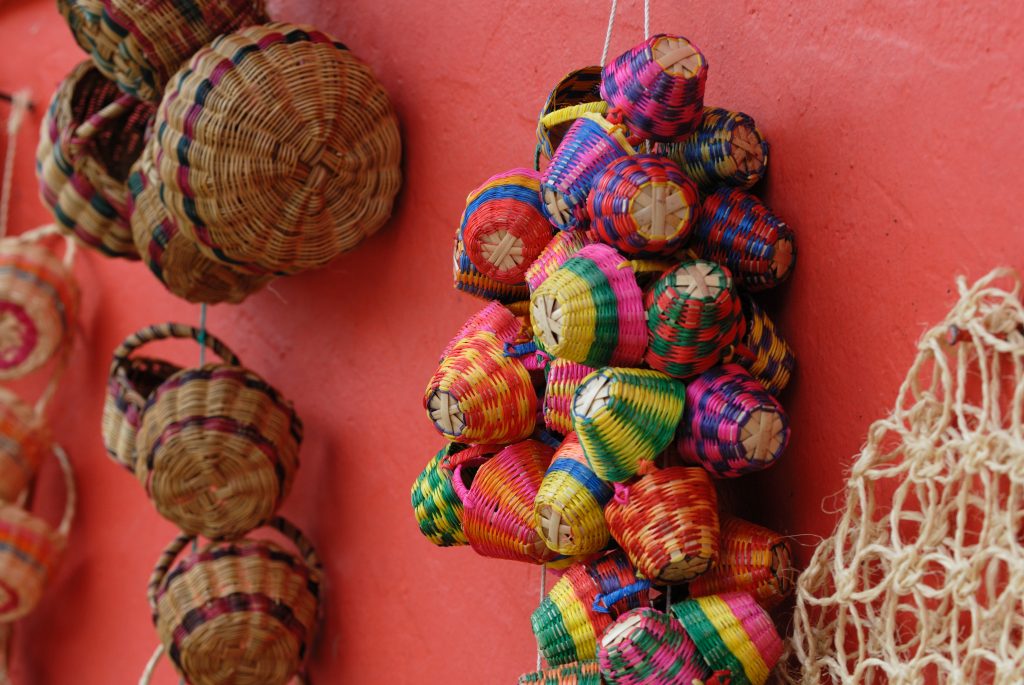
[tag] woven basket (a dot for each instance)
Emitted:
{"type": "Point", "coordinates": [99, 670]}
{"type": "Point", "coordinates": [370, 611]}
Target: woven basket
{"type": "Point", "coordinates": [237, 613]}
{"type": "Point", "coordinates": [586, 600]}
{"type": "Point", "coordinates": [154, 661]}
{"type": "Point", "coordinates": [694, 317]}
{"type": "Point", "coordinates": [643, 205]}
{"type": "Point", "coordinates": [563, 246]}
{"type": "Point", "coordinates": [468, 279]}
{"type": "Point", "coordinates": [480, 395]}
{"type": "Point", "coordinates": [625, 418]}
{"type": "Point", "coordinates": [498, 503]}
{"type": "Point", "coordinates": [762, 350]}
{"type": "Point", "coordinates": [751, 559]}
{"type": "Point", "coordinates": [577, 93]}
{"type": "Point", "coordinates": [278, 149]}
{"type": "Point", "coordinates": [30, 549]}
{"type": "Point", "coordinates": [133, 379]}
{"type": "Point", "coordinates": [91, 135]}
{"type": "Point", "coordinates": [570, 504]}
{"type": "Point", "coordinates": [39, 303]}
{"type": "Point", "coordinates": [658, 87]}
{"type": "Point", "coordinates": [667, 523]}
{"type": "Point", "coordinates": [727, 149]}
{"type": "Point", "coordinates": [564, 378]}
{"type": "Point", "coordinates": [733, 634]}
{"type": "Point", "coordinates": [591, 310]}
{"type": "Point", "coordinates": [737, 230]}
{"type": "Point", "coordinates": [503, 227]}
{"type": "Point", "coordinates": [494, 318]}
{"type": "Point", "coordinates": [171, 255]}
{"type": "Point", "coordinates": [732, 425]}
{"type": "Point", "coordinates": [24, 438]}
{"type": "Point", "coordinates": [437, 506]}
{"type": "Point", "coordinates": [140, 43]}
{"type": "Point", "coordinates": [576, 673]}
{"type": "Point", "coordinates": [591, 144]}
{"type": "Point", "coordinates": [649, 647]}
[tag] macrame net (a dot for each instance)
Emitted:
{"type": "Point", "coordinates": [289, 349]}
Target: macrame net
{"type": "Point", "coordinates": [922, 580]}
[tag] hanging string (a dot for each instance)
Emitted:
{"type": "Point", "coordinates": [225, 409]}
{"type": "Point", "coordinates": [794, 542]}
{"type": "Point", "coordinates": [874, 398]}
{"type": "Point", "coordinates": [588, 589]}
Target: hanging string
{"type": "Point", "coordinates": [20, 104]}
{"type": "Point", "coordinates": [647, 19]}
{"type": "Point", "coordinates": [612, 12]}
{"type": "Point", "coordinates": [543, 591]}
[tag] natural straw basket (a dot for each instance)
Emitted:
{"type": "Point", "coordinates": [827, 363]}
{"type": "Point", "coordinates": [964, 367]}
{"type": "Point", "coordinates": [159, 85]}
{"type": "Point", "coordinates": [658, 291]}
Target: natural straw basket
{"type": "Point", "coordinates": [89, 139]}
{"type": "Point", "coordinates": [732, 425]}
{"type": "Point", "coordinates": [435, 503]}
{"type": "Point", "coordinates": [238, 613]}
{"type": "Point", "coordinates": [762, 350]}
{"type": "Point", "coordinates": [586, 600]}
{"type": "Point", "coordinates": [570, 504]}
{"type": "Point", "coordinates": [24, 438]}
{"type": "Point", "coordinates": [733, 634]}
{"type": "Point", "coordinates": [30, 549]}
{"type": "Point", "coordinates": [738, 231]}
{"type": "Point", "coordinates": [667, 523]}
{"type": "Point", "coordinates": [563, 246]}
{"type": "Point", "coordinates": [577, 93]}
{"type": "Point", "coordinates": [147, 675]}
{"type": "Point", "coordinates": [564, 378]}
{"type": "Point", "coordinates": [278, 149]}
{"type": "Point", "coordinates": [649, 647]}
{"type": "Point", "coordinates": [625, 418]}
{"type": "Point", "coordinates": [576, 673]}
{"type": "Point", "coordinates": [643, 205]}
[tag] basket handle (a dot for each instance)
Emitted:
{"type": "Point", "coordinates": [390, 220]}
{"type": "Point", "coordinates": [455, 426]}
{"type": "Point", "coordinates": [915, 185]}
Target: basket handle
{"type": "Point", "coordinates": [168, 331]}
{"type": "Point", "coordinates": [70, 489]}
{"type": "Point", "coordinates": [571, 113]}
{"type": "Point", "coordinates": [91, 126]}
{"type": "Point", "coordinates": [147, 675]}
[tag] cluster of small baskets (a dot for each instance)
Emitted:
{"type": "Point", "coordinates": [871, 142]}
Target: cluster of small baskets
{"type": "Point", "coordinates": [218, 147]}
{"type": "Point", "coordinates": [620, 368]}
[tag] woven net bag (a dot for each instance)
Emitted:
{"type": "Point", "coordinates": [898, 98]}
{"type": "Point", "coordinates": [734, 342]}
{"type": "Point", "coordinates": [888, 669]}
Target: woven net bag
{"type": "Point", "coordinates": [24, 438]}
{"type": "Point", "coordinates": [921, 579]}
{"type": "Point", "coordinates": [278, 149]}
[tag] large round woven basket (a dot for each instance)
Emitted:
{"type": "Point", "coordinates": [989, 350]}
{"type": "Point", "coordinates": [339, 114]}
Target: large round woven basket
{"type": "Point", "coordinates": [154, 661]}
{"type": "Point", "coordinates": [24, 438]}
{"type": "Point", "coordinates": [278, 149]}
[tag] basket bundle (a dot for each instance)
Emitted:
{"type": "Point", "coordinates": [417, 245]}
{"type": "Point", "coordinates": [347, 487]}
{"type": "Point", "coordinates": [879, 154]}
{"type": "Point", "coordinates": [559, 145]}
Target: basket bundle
{"type": "Point", "coordinates": [648, 647]}
{"type": "Point", "coordinates": [434, 499]}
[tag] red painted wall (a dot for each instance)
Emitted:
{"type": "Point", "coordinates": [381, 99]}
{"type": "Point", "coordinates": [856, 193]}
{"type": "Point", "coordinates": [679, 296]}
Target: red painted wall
{"type": "Point", "coordinates": [896, 147]}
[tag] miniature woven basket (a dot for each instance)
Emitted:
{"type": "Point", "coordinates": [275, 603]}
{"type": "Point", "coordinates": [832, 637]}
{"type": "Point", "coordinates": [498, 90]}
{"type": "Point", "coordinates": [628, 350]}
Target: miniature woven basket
{"type": "Point", "coordinates": [579, 608]}
{"type": "Point", "coordinates": [751, 559]}
{"type": "Point", "coordinates": [727, 149]}
{"type": "Point", "coordinates": [591, 144]}
{"type": "Point", "coordinates": [133, 379]}
{"type": "Point", "coordinates": [503, 226]}
{"type": "Point", "coordinates": [39, 303]}
{"type": "Point", "coordinates": [30, 549]}
{"type": "Point", "coordinates": [762, 350]}
{"type": "Point", "coordinates": [658, 86]}
{"type": "Point", "coordinates": [643, 205]}
{"type": "Point", "coordinates": [470, 280]}
{"type": "Point", "coordinates": [480, 395]}
{"type": "Point", "coordinates": [733, 634]}
{"type": "Point", "coordinates": [591, 310]}
{"type": "Point", "coordinates": [649, 647]}
{"type": "Point", "coordinates": [498, 503]}
{"type": "Point", "coordinates": [561, 247]}
{"type": "Point", "coordinates": [237, 613]}
{"type": "Point", "coordinates": [625, 418]}
{"type": "Point", "coordinates": [564, 378]}
{"type": "Point", "coordinates": [570, 503]}
{"type": "Point", "coordinates": [738, 231]}
{"type": "Point", "coordinates": [694, 317]}
{"type": "Point", "coordinates": [24, 438]}
{"type": "Point", "coordinates": [217, 450]}
{"type": "Point", "coordinates": [278, 149]}
{"type": "Point", "coordinates": [667, 524]}
{"type": "Point", "coordinates": [494, 318]}
{"type": "Point", "coordinates": [576, 673]}
{"type": "Point", "coordinates": [576, 94]}
{"type": "Point", "coordinates": [437, 506]}
{"type": "Point", "coordinates": [732, 425]}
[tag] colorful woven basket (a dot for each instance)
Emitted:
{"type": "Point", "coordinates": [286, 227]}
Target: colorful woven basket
{"type": "Point", "coordinates": [278, 149]}
{"type": "Point", "coordinates": [591, 310]}
{"type": "Point", "coordinates": [570, 503]}
{"type": "Point", "coordinates": [733, 634]}
{"type": "Point", "coordinates": [648, 647]}
{"type": "Point", "coordinates": [437, 506]}
{"type": "Point", "coordinates": [737, 230]}
{"type": "Point", "coordinates": [658, 87]}
{"type": "Point", "coordinates": [751, 559]}
{"type": "Point", "coordinates": [563, 246]}
{"type": "Point", "coordinates": [576, 673]}
{"type": "Point", "coordinates": [498, 504]}
{"type": "Point", "coordinates": [667, 524]}
{"type": "Point", "coordinates": [237, 613]}
{"type": "Point", "coordinates": [762, 350]}
{"type": "Point", "coordinates": [576, 94]}
{"type": "Point", "coordinates": [503, 226]}
{"type": "Point", "coordinates": [579, 608]}
{"type": "Point", "coordinates": [727, 149]}
{"type": "Point", "coordinates": [494, 318]}
{"type": "Point", "coordinates": [89, 139]}
{"type": "Point", "coordinates": [694, 317]}
{"type": "Point", "coordinates": [24, 438]}
{"type": "Point", "coordinates": [38, 307]}
{"type": "Point", "coordinates": [481, 395]}
{"type": "Point", "coordinates": [471, 281]}
{"type": "Point", "coordinates": [564, 378]}
{"type": "Point", "coordinates": [591, 144]}
{"type": "Point", "coordinates": [732, 425]}
{"type": "Point", "coordinates": [625, 418]}
{"type": "Point", "coordinates": [643, 205]}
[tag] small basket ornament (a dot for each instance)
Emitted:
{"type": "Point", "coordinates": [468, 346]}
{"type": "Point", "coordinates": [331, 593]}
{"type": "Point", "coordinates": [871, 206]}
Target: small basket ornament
{"type": "Point", "coordinates": [727, 149]}
{"type": "Point", "coordinates": [494, 318]}
{"type": "Point", "coordinates": [563, 246]}
{"type": "Point", "coordinates": [649, 647]}
{"type": "Point", "coordinates": [24, 439]}
{"type": "Point", "coordinates": [576, 673]}
{"type": "Point", "coordinates": [437, 506]}
{"type": "Point", "coordinates": [576, 94]}
{"type": "Point", "coordinates": [564, 378]}
{"type": "Point", "coordinates": [763, 351]}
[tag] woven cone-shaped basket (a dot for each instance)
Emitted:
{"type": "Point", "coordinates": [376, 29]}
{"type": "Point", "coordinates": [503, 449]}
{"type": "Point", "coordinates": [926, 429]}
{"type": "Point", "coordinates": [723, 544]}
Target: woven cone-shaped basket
{"type": "Point", "coordinates": [278, 149]}
{"type": "Point", "coordinates": [577, 93]}
{"type": "Point", "coordinates": [563, 246]}
{"type": "Point", "coordinates": [576, 673]}
{"type": "Point", "coordinates": [648, 647]}
{"type": "Point", "coordinates": [467, 278]}
{"type": "Point", "coordinates": [494, 318]}
{"type": "Point", "coordinates": [437, 506]}
{"type": "Point", "coordinates": [667, 523]}
{"type": "Point", "coordinates": [237, 613]}
{"type": "Point", "coordinates": [24, 438]}
{"type": "Point", "coordinates": [763, 351]}
{"type": "Point", "coordinates": [564, 378]}
{"type": "Point", "coordinates": [89, 139]}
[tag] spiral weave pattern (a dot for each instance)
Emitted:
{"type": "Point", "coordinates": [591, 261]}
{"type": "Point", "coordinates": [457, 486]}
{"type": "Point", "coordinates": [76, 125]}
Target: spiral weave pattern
{"type": "Point", "coordinates": [727, 149]}
{"type": "Point", "coordinates": [763, 351]}
{"type": "Point", "coordinates": [435, 502]}
{"type": "Point", "coordinates": [648, 647]}
{"type": "Point", "coordinates": [469, 279]}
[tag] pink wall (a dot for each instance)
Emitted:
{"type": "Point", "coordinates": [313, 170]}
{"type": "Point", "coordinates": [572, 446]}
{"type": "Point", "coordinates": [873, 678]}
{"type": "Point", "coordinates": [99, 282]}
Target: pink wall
{"type": "Point", "coordinates": [896, 151]}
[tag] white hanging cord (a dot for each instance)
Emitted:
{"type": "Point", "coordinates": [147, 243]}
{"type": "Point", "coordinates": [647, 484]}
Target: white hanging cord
{"type": "Point", "coordinates": [647, 19]}
{"type": "Point", "coordinates": [20, 103]}
{"type": "Point", "coordinates": [608, 33]}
